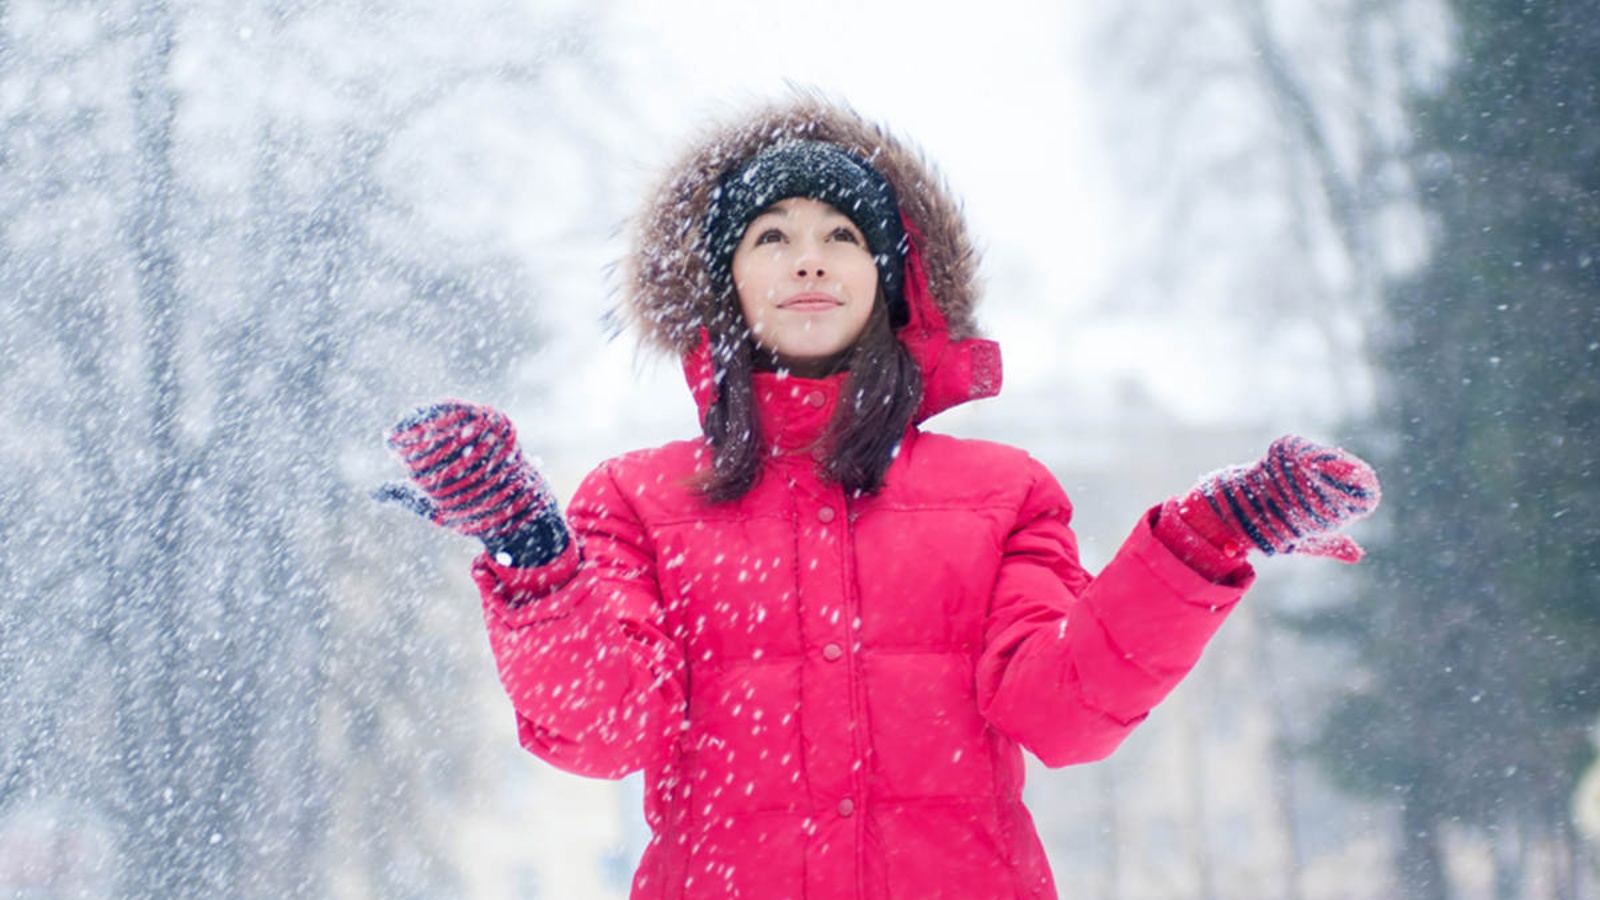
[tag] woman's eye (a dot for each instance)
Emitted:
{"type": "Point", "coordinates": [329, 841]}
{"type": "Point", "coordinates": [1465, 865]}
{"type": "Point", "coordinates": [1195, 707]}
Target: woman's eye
{"type": "Point", "coordinates": [846, 235]}
{"type": "Point", "coordinates": [770, 236]}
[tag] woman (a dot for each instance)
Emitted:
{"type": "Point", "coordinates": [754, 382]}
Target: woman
{"type": "Point", "coordinates": [824, 634]}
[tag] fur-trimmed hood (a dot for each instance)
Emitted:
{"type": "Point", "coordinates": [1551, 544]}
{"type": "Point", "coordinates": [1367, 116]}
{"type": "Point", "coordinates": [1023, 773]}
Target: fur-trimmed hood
{"type": "Point", "coordinates": [667, 291]}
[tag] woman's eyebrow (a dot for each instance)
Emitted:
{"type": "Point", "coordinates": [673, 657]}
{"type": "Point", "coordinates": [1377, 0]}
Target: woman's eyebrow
{"type": "Point", "coordinates": [775, 208]}
{"type": "Point", "coordinates": [781, 209]}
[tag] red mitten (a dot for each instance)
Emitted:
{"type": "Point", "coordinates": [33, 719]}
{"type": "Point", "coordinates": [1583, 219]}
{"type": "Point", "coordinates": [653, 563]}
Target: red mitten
{"type": "Point", "coordinates": [474, 480]}
{"type": "Point", "coordinates": [1293, 500]}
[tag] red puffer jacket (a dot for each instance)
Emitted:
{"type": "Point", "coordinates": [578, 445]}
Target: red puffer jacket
{"type": "Point", "coordinates": [829, 694]}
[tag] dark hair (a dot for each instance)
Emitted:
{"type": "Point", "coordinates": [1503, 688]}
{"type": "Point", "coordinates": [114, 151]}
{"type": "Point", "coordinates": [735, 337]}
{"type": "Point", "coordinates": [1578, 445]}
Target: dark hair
{"type": "Point", "coordinates": [880, 396]}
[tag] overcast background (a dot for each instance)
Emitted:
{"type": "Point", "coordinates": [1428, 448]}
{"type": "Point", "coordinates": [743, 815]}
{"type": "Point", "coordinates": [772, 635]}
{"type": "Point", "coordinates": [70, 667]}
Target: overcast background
{"type": "Point", "coordinates": [241, 238]}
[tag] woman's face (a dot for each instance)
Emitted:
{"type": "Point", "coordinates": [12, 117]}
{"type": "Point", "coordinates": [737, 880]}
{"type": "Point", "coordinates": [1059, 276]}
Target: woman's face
{"type": "Point", "coordinates": [806, 283]}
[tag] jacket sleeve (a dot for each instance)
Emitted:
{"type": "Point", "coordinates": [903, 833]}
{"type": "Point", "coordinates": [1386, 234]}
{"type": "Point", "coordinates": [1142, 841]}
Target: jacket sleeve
{"type": "Point", "coordinates": [597, 686]}
{"type": "Point", "coordinates": [1071, 662]}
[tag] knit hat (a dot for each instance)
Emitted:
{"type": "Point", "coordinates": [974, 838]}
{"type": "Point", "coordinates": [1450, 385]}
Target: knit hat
{"type": "Point", "coordinates": [818, 171]}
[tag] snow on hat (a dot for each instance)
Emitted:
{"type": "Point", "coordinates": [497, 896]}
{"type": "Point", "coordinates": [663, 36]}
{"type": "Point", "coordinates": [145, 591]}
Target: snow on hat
{"type": "Point", "coordinates": [818, 171]}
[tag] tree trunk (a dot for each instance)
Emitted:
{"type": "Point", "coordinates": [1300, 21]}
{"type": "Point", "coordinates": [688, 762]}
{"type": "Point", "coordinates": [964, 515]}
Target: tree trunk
{"type": "Point", "coordinates": [1421, 856]}
{"type": "Point", "coordinates": [1196, 779]}
{"type": "Point", "coordinates": [163, 844]}
{"type": "Point", "coordinates": [1110, 827]}
{"type": "Point", "coordinates": [1508, 844]}
{"type": "Point", "coordinates": [1285, 797]}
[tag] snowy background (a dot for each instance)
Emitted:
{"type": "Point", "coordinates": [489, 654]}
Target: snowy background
{"type": "Point", "coordinates": [244, 237]}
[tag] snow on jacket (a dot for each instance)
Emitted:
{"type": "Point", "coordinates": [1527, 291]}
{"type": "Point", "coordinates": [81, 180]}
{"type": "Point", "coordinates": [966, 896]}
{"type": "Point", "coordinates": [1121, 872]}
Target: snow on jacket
{"type": "Point", "coordinates": [829, 694]}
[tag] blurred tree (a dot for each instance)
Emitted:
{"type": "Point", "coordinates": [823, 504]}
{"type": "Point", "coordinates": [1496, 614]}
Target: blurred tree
{"type": "Point", "coordinates": [1265, 142]}
{"type": "Point", "coordinates": [218, 294]}
{"type": "Point", "coordinates": [1478, 642]}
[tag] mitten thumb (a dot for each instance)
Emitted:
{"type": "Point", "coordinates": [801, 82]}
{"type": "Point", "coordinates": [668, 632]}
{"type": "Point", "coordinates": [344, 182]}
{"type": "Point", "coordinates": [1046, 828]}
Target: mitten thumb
{"type": "Point", "coordinates": [408, 497]}
{"type": "Point", "coordinates": [1332, 546]}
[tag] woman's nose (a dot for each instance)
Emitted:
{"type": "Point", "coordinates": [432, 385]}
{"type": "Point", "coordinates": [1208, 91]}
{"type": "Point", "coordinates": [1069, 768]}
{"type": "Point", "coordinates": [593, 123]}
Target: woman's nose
{"type": "Point", "coordinates": [809, 264]}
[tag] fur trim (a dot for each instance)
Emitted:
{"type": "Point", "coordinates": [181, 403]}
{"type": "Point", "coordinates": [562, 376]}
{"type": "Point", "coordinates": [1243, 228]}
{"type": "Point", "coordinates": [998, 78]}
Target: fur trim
{"type": "Point", "coordinates": [666, 289]}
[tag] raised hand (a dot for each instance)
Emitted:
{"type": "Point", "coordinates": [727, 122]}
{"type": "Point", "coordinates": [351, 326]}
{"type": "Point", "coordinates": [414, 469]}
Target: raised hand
{"type": "Point", "coordinates": [1293, 500]}
{"type": "Point", "coordinates": [470, 476]}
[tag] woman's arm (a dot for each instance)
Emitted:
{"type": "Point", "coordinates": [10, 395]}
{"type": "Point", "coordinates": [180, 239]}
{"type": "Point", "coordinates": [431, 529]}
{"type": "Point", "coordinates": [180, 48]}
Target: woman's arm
{"type": "Point", "coordinates": [573, 613]}
{"type": "Point", "coordinates": [597, 685]}
{"type": "Point", "coordinates": [1072, 663]}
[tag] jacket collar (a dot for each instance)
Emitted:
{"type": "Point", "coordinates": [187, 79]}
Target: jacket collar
{"type": "Point", "coordinates": [794, 412]}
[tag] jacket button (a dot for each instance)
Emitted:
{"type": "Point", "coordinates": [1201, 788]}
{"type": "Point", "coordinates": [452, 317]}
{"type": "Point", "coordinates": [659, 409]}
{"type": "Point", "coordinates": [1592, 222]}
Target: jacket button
{"type": "Point", "coordinates": [832, 652]}
{"type": "Point", "coordinates": [815, 399]}
{"type": "Point", "coordinates": [847, 807]}
{"type": "Point", "coordinates": [825, 514]}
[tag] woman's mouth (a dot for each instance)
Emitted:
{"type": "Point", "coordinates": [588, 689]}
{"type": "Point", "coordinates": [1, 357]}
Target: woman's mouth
{"type": "Point", "coordinates": [810, 302]}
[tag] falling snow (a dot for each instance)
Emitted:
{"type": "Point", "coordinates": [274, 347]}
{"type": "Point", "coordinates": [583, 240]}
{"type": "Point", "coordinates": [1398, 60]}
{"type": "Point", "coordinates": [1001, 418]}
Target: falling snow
{"type": "Point", "coordinates": [241, 238]}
